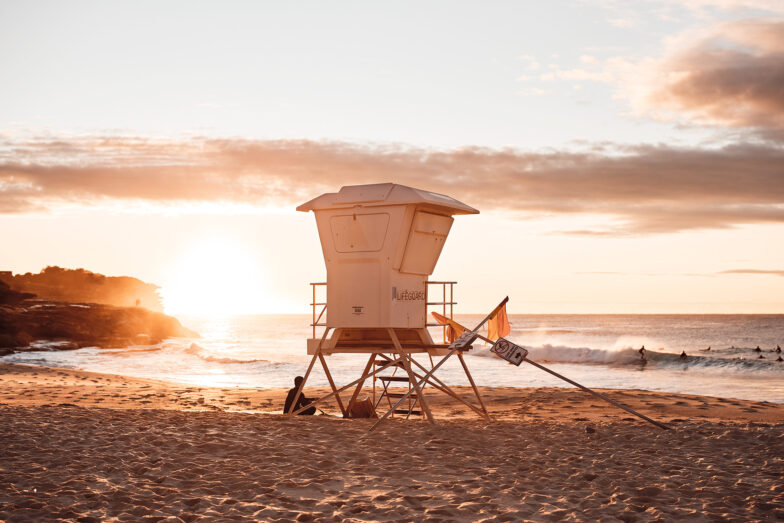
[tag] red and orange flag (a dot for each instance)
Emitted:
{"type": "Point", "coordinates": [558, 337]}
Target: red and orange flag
{"type": "Point", "coordinates": [498, 326]}
{"type": "Point", "coordinates": [453, 331]}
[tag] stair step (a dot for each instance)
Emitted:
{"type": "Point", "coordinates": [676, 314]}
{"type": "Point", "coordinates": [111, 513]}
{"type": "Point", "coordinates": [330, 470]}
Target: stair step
{"type": "Point", "coordinates": [400, 395]}
{"type": "Point", "coordinates": [405, 411]}
{"type": "Point", "coordinates": [392, 378]}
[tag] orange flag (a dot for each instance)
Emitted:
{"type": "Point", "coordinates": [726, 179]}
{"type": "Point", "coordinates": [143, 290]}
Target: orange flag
{"type": "Point", "coordinates": [498, 326]}
{"type": "Point", "coordinates": [454, 330]}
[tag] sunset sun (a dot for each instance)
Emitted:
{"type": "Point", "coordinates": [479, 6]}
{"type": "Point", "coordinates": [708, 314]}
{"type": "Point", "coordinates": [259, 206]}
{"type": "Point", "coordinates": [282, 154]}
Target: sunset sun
{"type": "Point", "coordinates": [215, 277]}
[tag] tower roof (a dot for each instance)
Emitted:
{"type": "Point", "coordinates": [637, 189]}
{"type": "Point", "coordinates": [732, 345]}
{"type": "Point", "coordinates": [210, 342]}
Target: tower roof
{"type": "Point", "coordinates": [377, 194]}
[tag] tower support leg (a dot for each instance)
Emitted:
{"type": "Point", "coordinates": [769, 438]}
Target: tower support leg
{"type": "Point", "coordinates": [406, 357]}
{"type": "Point", "coordinates": [307, 372]}
{"type": "Point", "coordinates": [332, 384]}
{"type": "Point", "coordinates": [473, 385]}
{"type": "Point", "coordinates": [362, 382]}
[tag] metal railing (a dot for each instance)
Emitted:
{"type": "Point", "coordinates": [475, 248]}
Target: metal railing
{"type": "Point", "coordinates": [314, 304]}
{"type": "Point", "coordinates": [446, 304]}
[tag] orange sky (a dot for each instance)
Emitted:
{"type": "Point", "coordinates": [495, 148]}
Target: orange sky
{"type": "Point", "coordinates": [635, 163]}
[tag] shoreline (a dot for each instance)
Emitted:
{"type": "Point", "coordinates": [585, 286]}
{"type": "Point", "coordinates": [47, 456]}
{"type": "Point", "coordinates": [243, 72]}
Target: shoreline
{"type": "Point", "coordinates": [95, 447]}
{"type": "Point", "coordinates": [55, 386]}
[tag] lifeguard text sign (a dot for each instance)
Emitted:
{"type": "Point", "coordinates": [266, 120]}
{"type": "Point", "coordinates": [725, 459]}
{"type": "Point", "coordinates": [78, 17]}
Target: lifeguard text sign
{"type": "Point", "coordinates": [509, 351]}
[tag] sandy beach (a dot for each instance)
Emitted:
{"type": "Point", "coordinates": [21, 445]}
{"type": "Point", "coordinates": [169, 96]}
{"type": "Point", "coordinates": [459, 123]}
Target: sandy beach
{"type": "Point", "coordinates": [94, 447]}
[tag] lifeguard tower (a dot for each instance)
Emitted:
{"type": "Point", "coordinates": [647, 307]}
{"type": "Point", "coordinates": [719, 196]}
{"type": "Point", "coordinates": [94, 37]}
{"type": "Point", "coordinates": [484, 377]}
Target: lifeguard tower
{"type": "Point", "coordinates": [380, 243]}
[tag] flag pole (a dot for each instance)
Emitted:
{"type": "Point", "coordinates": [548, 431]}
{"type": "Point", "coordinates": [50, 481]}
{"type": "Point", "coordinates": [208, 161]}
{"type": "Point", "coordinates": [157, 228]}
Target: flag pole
{"type": "Point", "coordinates": [572, 382]}
{"type": "Point", "coordinates": [590, 391]}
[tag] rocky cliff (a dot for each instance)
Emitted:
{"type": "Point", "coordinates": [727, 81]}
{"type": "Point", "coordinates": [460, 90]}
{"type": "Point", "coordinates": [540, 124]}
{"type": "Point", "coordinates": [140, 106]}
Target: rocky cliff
{"type": "Point", "coordinates": [82, 286]}
{"type": "Point", "coordinates": [24, 320]}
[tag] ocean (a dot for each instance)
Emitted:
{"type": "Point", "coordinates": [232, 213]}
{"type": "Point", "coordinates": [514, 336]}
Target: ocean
{"type": "Point", "coordinates": [595, 350]}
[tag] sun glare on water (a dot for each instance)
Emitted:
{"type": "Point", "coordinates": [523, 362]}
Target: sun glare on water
{"type": "Point", "coordinates": [216, 277]}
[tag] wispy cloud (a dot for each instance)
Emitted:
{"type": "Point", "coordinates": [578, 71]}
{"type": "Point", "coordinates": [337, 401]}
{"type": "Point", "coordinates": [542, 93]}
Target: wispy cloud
{"type": "Point", "coordinates": [663, 8]}
{"type": "Point", "coordinates": [644, 189]}
{"type": "Point", "coordinates": [754, 271]}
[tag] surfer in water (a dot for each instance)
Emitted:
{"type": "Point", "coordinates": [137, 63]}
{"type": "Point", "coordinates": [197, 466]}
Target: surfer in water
{"type": "Point", "coordinates": [683, 355]}
{"type": "Point", "coordinates": [643, 357]}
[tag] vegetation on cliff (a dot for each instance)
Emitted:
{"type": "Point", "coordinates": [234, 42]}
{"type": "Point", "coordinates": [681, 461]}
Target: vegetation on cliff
{"type": "Point", "coordinates": [25, 319]}
{"type": "Point", "coordinates": [82, 286]}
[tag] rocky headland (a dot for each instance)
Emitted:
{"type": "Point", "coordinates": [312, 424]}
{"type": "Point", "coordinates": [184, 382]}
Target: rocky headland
{"type": "Point", "coordinates": [83, 286]}
{"type": "Point", "coordinates": [25, 321]}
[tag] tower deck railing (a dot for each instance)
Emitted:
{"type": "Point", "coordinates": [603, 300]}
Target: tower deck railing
{"type": "Point", "coordinates": [439, 297]}
{"type": "Point", "coordinates": [446, 304]}
{"type": "Point", "coordinates": [316, 304]}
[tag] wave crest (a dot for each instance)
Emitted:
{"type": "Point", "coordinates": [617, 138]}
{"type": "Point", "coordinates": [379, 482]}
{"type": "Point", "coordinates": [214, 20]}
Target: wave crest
{"type": "Point", "coordinates": [202, 353]}
{"type": "Point", "coordinates": [630, 356]}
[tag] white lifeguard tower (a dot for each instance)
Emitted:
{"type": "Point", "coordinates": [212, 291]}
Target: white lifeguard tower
{"type": "Point", "coordinates": [380, 243]}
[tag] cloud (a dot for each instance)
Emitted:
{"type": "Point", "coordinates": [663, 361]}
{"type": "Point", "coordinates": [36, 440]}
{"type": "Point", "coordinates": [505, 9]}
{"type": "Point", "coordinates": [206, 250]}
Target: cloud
{"type": "Point", "coordinates": [774, 6]}
{"type": "Point", "coordinates": [663, 9]}
{"type": "Point", "coordinates": [643, 189]}
{"type": "Point", "coordinates": [754, 271]}
{"type": "Point", "coordinates": [603, 76]}
{"type": "Point", "coordinates": [730, 75]}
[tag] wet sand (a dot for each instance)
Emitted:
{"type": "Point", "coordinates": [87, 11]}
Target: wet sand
{"type": "Point", "coordinates": [84, 446]}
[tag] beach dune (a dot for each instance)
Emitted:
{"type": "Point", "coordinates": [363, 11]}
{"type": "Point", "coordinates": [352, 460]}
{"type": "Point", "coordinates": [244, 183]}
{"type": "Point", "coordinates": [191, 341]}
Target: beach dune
{"type": "Point", "coordinates": [89, 447]}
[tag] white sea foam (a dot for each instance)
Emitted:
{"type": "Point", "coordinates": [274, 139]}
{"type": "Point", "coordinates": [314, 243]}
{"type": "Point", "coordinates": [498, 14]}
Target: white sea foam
{"type": "Point", "coordinates": [202, 353]}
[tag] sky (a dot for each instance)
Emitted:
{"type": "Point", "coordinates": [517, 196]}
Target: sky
{"type": "Point", "coordinates": [626, 157]}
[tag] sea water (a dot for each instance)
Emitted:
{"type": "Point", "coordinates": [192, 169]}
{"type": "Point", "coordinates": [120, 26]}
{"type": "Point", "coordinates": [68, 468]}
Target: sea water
{"type": "Point", "coordinates": [596, 350]}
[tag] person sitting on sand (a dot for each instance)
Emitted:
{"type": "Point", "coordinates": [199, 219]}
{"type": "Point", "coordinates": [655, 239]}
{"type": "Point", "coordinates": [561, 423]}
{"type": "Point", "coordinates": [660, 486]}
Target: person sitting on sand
{"type": "Point", "coordinates": [683, 355]}
{"type": "Point", "coordinates": [301, 402]}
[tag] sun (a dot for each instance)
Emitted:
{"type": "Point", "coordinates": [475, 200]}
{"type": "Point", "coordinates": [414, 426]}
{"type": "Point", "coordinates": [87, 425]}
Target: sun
{"type": "Point", "coordinates": [214, 277]}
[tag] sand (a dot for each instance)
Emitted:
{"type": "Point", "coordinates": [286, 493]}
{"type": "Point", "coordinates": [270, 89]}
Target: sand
{"type": "Point", "coordinates": [84, 446]}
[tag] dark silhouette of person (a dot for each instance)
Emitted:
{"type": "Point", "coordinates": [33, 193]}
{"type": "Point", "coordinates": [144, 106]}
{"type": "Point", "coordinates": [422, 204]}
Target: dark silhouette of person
{"type": "Point", "coordinates": [780, 359]}
{"type": "Point", "coordinates": [643, 357]}
{"type": "Point", "coordinates": [757, 349]}
{"type": "Point", "coordinates": [301, 402]}
{"type": "Point", "coordinates": [778, 349]}
{"type": "Point", "coordinates": [683, 355]}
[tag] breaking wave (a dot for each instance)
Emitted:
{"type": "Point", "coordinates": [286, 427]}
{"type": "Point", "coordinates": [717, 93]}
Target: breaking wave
{"type": "Point", "coordinates": [653, 359]}
{"type": "Point", "coordinates": [563, 354]}
{"type": "Point", "coordinates": [202, 353]}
